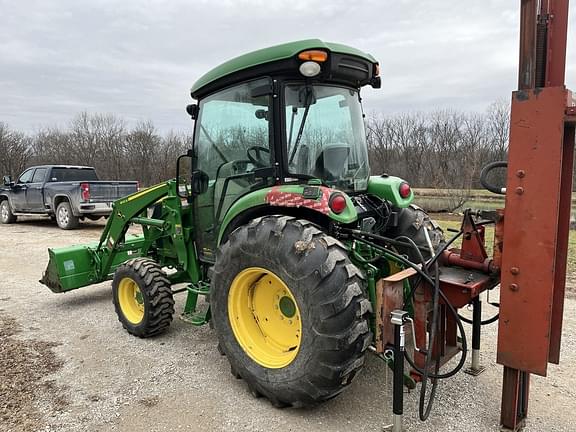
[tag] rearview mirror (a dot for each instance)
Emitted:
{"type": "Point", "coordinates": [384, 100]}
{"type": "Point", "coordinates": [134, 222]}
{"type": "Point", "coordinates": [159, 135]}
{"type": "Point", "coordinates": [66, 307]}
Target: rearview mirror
{"type": "Point", "coordinates": [7, 180]}
{"type": "Point", "coordinates": [199, 182]}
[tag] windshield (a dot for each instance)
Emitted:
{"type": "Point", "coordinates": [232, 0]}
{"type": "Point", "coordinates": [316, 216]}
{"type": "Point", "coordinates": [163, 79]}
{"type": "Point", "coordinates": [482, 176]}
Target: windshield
{"type": "Point", "coordinates": [325, 135]}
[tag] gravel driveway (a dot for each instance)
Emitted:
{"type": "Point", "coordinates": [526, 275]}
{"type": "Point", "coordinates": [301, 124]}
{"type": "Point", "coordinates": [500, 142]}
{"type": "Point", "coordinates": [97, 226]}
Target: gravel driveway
{"type": "Point", "coordinates": [66, 364]}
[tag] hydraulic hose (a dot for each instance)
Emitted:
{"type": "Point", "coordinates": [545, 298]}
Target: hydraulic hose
{"type": "Point", "coordinates": [433, 260]}
{"type": "Point", "coordinates": [424, 409]}
{"type": "Point", "coordinates": [484, 174]}
{"type": "Point", "coordinates": [430, 283]}
{"type": "Point", "coordinates": [483, 322]}
{"type": "Point", "coordinates": [425, 406]}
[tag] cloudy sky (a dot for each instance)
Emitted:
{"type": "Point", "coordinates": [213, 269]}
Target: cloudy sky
{"type": "Point", "coordinates": [139, 58]}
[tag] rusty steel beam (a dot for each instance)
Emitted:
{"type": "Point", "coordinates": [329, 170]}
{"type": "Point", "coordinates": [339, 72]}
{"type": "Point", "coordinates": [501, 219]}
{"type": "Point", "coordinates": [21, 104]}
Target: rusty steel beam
{"type": "Point", "coordinates": [562, 243]}
{"type": "Point", "coordinates": [557, 13]}
{"type": "Point", "coordinates": [515, 392]}
{"type": "Point", "coordinates": [538, 205]}
{"type": "Point", "coordinates": [527, 64]}
{"type": "Point", "coordinates": [532, 251]}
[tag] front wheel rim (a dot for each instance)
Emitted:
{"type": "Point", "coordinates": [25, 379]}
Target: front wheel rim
{"type": "Point", "coordinates": [4, 212]}
{"type": "Point", "coordinates": [130, 300]}
{"type": "Point", "coordinates": [265, 317]}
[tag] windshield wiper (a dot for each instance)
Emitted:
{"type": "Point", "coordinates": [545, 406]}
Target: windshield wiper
{"type": "Point", "coordinates": [308, 102]}
{"type": "Point", "coordinates": [294, 113]}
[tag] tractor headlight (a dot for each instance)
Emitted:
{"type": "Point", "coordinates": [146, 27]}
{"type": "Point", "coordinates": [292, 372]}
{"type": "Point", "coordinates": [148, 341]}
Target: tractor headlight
{"type": "Point", "coordinates": [310, 69]}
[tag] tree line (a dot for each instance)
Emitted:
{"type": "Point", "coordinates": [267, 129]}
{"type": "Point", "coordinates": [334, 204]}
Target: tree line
{"type": "Point", "coordinates": [439, 149]}
{"type": "Point", "coordinates": [103, 141]}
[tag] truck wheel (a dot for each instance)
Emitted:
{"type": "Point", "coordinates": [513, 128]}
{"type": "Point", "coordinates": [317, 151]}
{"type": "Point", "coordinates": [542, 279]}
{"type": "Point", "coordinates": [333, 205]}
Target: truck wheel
{"type": "Point", "coordinates": [64, 216]}
{"type": "Point", "coordinates": [142, 297]}
{"type": "Point", "coordinates": [6, 215]}
{"type": "Point", "coordinates": [290, 310]}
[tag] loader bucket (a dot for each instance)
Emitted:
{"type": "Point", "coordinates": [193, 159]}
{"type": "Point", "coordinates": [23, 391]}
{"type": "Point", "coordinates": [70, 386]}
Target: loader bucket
{"type": "Point", "coordinates": [75, 267]}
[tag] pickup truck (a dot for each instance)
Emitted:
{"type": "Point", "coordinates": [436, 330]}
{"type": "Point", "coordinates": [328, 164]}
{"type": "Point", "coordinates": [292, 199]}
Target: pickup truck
{"type": "Point", "coordinates": [67, 194]}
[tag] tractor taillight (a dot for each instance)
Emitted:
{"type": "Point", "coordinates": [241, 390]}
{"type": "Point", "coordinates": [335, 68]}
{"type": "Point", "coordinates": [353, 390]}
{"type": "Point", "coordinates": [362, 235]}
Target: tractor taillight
{"type": "Point", "coordinates": [337, 203]}
{"type": "Point", "coordinates": [404, 190]}
{"type": "Point", "coordinates": [85, 191]}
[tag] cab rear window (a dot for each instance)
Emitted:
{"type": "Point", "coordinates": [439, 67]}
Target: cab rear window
{"type": "Point", "coordinates": [72, 174]}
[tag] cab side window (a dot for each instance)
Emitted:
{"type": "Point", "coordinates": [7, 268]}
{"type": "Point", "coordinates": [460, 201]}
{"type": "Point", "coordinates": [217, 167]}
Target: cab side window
{"type": "Point", "coordinates": [233, 130]}
{"type": "Point", "coordinates": [39, 175]}
{"type": "Point", "coordinates": [26, 176]}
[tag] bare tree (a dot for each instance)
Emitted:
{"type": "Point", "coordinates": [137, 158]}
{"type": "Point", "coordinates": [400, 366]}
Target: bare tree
{"type": "Point", "coordinates": [441, 149]}
{"type": "Point", "coordinates": [142, 143]}
{"type": "Point", "coordinates": [50, 146]}
{"type": "Point", "coordinates": [15, 151]}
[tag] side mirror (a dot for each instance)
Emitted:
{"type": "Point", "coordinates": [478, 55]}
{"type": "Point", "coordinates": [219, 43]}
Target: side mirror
{"type": "Point", "coordinates": [199, 182]}
{"type": "Point", "coordinates": [198, 179]}
{"type": "Point", "coordinates": [7, 180]}
{"type": "Point", "coordinates": [192, 111]}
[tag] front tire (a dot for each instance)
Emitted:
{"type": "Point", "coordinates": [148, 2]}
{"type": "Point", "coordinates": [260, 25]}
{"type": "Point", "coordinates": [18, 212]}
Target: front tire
{"type": "Point", "coordinates": [290, 310]}
{"type": "Point", "coordinates": [142, 297]}
{"type": "Point", "coordinates": [65, 218]}
{"type": "Point", "coordinates": [6, 215]}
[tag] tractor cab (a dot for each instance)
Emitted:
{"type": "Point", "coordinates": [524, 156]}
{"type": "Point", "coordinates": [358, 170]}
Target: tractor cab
{"type": "Point", "coordinates": [286, 115]}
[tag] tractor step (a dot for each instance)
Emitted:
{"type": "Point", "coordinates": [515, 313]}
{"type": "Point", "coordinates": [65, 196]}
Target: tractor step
{"type": "Point", "coordinates": [196, 318]}
{"type": "Point", "coordinates": [201, 288]}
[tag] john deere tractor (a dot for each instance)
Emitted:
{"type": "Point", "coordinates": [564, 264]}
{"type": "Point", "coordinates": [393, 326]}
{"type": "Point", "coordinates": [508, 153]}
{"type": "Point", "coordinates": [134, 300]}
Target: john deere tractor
{"type": "Point", "coordinates": [274, 220]}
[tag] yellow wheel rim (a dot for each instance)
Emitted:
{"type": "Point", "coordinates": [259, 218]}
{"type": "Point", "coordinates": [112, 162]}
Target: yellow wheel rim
{"type": "Point", "coordinates": [131, 300]}
{"type": "Point", "coordinates": [264, 317]}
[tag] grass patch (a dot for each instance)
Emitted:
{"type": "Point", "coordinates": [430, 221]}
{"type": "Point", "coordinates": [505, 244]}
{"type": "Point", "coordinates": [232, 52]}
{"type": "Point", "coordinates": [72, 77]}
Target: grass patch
{"type": "Point", "coordinates": [442, 200]}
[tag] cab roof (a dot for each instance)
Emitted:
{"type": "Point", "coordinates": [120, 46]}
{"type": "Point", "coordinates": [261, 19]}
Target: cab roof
{"type": "Point", "coordinates": [269, 55]}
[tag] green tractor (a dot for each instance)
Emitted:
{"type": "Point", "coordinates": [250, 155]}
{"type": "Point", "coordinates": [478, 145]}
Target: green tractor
{"type": "Point", "coordinates": [273, 219]}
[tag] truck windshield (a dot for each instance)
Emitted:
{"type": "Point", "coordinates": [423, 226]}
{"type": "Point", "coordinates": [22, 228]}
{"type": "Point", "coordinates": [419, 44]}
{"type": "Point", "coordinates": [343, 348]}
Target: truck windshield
{"type": "Point", "coordinates": [326, 136]}
{"type": "Point", "coordinates": [73, 174]}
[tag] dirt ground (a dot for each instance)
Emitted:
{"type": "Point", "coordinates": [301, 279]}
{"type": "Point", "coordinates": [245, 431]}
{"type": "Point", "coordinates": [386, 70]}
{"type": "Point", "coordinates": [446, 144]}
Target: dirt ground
{"type": "Point", "coordinates": [66, 364]}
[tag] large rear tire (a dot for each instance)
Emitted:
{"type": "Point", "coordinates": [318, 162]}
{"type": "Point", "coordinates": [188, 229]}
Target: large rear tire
{"type": "Point", "coordinates": [290, 310]}
{"type": "Point", "coordinates": [6, 215]}
{"type": "Point", "coordinates": [412, 223]}
{"type": "Point", "coordinates": [142, 297]}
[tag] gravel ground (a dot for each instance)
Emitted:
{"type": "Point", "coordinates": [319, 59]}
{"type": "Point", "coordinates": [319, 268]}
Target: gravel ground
{"type": "Point", "coordinates": [66, 364]}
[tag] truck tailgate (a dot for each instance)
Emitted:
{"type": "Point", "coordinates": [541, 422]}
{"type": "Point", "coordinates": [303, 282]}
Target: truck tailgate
{"type": "Point", "coordinates": [111, 191]}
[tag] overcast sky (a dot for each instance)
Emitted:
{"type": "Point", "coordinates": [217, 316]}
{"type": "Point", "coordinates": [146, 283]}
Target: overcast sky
{"type": "Point", "coordinates": [139, 58]}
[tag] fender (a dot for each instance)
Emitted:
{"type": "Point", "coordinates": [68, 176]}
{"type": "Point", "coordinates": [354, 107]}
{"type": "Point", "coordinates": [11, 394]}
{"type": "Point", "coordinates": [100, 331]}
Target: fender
{"type": "Point", "coordinates": [7, 197]}
{"type": "Point", "coordinates": [388, 187]}
{"type": "Point", "coordinates": [67, 198]}
{"type": "Point", "coordinates": [311, 197]}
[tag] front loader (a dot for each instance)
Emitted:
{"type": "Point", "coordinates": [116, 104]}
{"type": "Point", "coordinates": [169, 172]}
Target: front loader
{"type": "Point", "coordinates": [304, 260]}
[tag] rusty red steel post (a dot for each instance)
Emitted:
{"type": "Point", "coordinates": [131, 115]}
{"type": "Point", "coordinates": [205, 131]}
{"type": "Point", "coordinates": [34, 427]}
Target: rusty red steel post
{"type": "Point", "coordinates": [539, 186]}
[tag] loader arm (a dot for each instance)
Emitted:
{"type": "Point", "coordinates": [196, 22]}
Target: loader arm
{"type": "Point", "coordinates": [78, 266]}
{"type": "Point", "coordinates": [127, 211]}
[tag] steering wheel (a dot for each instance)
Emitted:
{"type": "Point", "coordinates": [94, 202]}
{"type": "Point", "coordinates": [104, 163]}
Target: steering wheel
{"type": "Point", "coordinates": [256, 158]}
